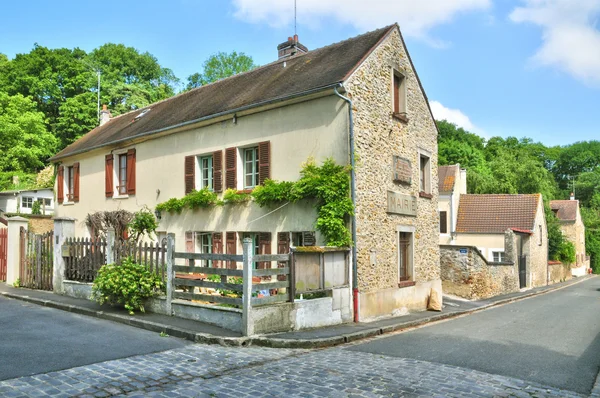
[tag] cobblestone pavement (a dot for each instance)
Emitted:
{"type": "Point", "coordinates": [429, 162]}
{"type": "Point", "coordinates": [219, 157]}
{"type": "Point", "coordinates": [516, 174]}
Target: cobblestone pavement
{"type": "Point", "coordinates": [214, 371]}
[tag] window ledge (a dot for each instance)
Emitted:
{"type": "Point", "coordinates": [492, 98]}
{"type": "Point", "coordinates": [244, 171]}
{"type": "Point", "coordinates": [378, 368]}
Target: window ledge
{"type": "Point", "coordinates": [400, 116]}
{"type": "Point", "coordinates": [406, 284]}
{"type": "Point", "coordinates": [425, 195]}
{"type": "Point", "coordinates": [121, 197]}
{"type": "Point", "coordinates": [68, 203]}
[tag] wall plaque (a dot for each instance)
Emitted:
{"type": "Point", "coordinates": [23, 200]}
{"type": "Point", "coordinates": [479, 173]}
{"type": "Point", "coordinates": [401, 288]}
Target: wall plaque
{"type": "Point", "coordinates": [398, 203]}
{"type": "Point", "coordinates": [402, 170]}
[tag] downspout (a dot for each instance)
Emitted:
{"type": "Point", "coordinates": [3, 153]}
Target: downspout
{"type": "Point", "coordinates": [452, 217]}
{"type": "Point", "coordinates": [353, 196]}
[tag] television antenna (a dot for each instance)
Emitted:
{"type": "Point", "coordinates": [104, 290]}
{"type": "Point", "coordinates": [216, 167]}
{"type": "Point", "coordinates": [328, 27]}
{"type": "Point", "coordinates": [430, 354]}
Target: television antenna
{"type": "Point", "coordinates": [98, 73]}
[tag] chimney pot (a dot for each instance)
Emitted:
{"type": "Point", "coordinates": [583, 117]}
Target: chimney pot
{"type": "Point", "coordinates": [290, 38]}
{"type": "Point", "coordinates": [296, 38]}
{"type": "Point", "coordinates": [572, 196]}
{"type": "Point", "coordinates": [104, 115]}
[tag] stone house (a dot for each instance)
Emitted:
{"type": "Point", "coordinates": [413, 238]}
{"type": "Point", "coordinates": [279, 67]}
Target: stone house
{"type": "Point", "coordinates": [571, 225]}
{"type": "Point", "coordinates": [359, 97]}
{"type": "Point", "coordinates": [483, 221]}
{"type": "Point", "coordinates": [452, 182]}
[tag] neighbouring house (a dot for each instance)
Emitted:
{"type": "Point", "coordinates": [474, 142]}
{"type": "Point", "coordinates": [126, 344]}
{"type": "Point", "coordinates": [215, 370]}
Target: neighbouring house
{"type": "Point", "coordinates": [359, 97]}
{"type": "Point", "coordinates": [21, 201]}
{"type": "Point", "coordinates": [571, 225]}
{"type": "Point", "coordinates": [452, 182]}
{"type": "Point", "coordinates": [483, 221]}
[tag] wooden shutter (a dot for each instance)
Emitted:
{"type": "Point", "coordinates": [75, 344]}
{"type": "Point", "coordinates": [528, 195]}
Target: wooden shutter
{"type": "Point", "coordinates": [60, 178]}
{"type": "Point", "coordinates": [189, 244]}
{"type": "Point", "coordinates": [443, 222]}
{"type": "Point", "coordinates": [264, 162]}
{"type": "Point", "coordinates": [230, 168]}
{"type": "Point", "coordinates": [231, 248]}
{"type": "Point", "coordinates": [308, 238]}
{"type": "Point", "coordinates": [108, 176]}
{"type": "Point", "coordinates": [217, 246]}
{"type": "Point", "coordinates": [76, 182]}
{"type": "Point", "coordinates": [131, 172]}
{"type": "Point", "coordinates": [264, 247]}
{"type": "Point", "coordinates": [218, 171]}
{"type": "Point", "coordinates": [396, 98]}
{"type": "Point", "coordinates": [283, 247]}
{"type": "Point", "coordinates": [190, 174]}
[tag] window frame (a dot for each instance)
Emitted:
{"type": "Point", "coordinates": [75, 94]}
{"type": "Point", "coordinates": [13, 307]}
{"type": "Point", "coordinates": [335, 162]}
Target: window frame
{"type": "Point", "coordinates": [501, 255]}
{"type": "Point", "coordinates": [255, 243]}
{"type": "Point", "coordinates": [406, 273]}
{"type": "Point", "coordinates": [202, 242]}
{"type": "Point", "coordinates": [445, 231]}
{"type": "Point", "coordinates": [255, 175]}
{"type": "Point", "coordinates": [121, 170]}
{"type": "Point", "coordinates": [23, 206]}
{"type": "Point", "coordinates": [70, 182]}
{"type": "Point", "coordinates": [425, 186]}
{"type": "Point", "coordinates": [399, 97]}
{"type": "Point", "coordinates": [200, 180]}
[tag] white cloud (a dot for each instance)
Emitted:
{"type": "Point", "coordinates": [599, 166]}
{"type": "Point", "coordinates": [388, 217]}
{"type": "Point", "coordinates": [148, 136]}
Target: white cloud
{"type": "Point", "coordinates": [570, 37]}
{"type": "Point", "coordinates": [440, 112]}
{"type": "Point", "coordinates": [416, 18]}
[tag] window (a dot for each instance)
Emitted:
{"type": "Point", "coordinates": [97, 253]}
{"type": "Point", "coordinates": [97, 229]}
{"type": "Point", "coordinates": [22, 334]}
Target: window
{"type": "Point", "coordinates": [250, 167]}
{"type": "Point", "coordinates": [424, 174]}
{"type": "Point", "coordinates": [404, 256]}
{"type": "Point", "coordinates": [498, 256]}
{"type": "Point", "coordinates": [541, 237]}
{"type": "Point", "coordinates": [205, 164]}
{"type": "Point", "coordinates": [204, 245]}
{"type": "Point", "coordinates": [399, 95]}
{"type": "Point", "coordinates": [443, 222]}
{"type": "Point", "coordinates": [122, 175]}
{"type": "Point", "coordinates": [27, 202]}
{"type": "Point", "coordinates": [70, 183]}
{"type": "Point", "coordinates": [306, 238]}
{"type": "Point", "coordinates": [45, 202]}
{"type": "Point", "coordinates": [255, 244]}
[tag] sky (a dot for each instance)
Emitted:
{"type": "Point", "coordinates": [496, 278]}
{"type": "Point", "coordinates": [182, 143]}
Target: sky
{"type": "Point", "coordinates": [523, 68]}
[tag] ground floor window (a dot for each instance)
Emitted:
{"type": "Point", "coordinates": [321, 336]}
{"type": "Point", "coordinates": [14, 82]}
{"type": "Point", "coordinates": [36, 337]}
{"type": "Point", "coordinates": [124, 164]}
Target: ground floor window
{"type": "Point", "coordinates": [306, 238]}
{"type": "Point", "coordinates": [404, 256]}
{"type": "Point", "coordinates": [255, 245]}
{"type": "Point", "coordinates": [27, 202]}
{"type": "Point", "coordinates": [498, 256]}
{"type": "Point", "coordinates": [204, 245]}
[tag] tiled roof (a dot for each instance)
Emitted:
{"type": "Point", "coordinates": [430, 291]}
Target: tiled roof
{"type": "Point", "coordinates": [495, 214]}
{"type": "Point", "coordinates": [447, 178]}
{"type": "Point", "coordinates": [566, 210]}
{"type": "Point", "coordinates": [317, 69]}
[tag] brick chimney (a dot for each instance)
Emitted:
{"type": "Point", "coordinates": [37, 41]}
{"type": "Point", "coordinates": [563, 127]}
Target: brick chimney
{"type": "Point", "coordinates": [572, 196]}
{"type": "Point", "coordinates": [290, 48]}
{"type": "Point", "coordinates": [104, 115]}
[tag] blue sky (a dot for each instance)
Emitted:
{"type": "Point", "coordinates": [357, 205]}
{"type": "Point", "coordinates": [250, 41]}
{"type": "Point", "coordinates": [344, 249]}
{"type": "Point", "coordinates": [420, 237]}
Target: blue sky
{"type": "Point", "coordinates": [526, 68]}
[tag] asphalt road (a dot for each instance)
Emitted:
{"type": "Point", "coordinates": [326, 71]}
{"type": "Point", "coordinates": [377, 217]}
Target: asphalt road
{"type": "Point", "coordinates": [35, 339]}
{"type": "Point", "coordinates": [552, 339]}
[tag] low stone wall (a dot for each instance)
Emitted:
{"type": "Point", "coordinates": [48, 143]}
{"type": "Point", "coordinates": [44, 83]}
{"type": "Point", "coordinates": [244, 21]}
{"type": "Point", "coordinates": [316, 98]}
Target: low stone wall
{"type": "Point", "coordinates": [40, 224]}
{"type": "Point", "coordinates": [466, 273]}
{"type": "Point", "coordinates": [559, 272]}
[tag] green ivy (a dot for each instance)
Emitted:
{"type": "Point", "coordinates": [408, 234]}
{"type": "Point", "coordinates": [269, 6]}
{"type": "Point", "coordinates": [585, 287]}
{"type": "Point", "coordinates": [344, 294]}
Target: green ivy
{"type": "Point", "coordinates": [194, 200]}
{"type": "Point", "coordinates": [233, 196]}
{"type": "Point", "coordinates": [143, 222]}
{"type": "Point", "coordinates": [36, 208]}
{"type": "Point", "coordinates": [128, 284]}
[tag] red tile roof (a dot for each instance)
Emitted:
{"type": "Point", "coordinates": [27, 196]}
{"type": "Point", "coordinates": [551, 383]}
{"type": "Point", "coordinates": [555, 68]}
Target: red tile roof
{"type": "Point", "coordinates": [565, 210]}
{"type": "Point", "coordinates": [447, 177]}
{"type": "Point", "coordinates": [494, 214]}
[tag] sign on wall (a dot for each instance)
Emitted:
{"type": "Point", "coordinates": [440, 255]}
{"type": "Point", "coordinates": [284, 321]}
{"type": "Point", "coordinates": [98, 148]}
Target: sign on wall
{"type": "Point", "coordinates": [398, 203]}
{"type": "Point", "coordinates": [402, 170]}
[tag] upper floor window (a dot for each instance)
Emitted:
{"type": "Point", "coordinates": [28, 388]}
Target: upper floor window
{"type": "Point", "coordinates": [399, 94]}
{"type": "Point", "coordinates": [205, 164]}
{"type": "Point", "coordinates": [498, 257]}
{"type": "Point", "coordinates": [27, 202]}
{"type": "Point", "coordinates": [70, 183]}
{"type": "Point", "coordinates": [424, 174]}
{"type": "Point", "coordinates": [67, 182]}
{"type": "Point", "coordinates": [122, 175]}
{"type": "Point", "coordinates": [443, 222]}
{"type": "Point", "coordinates": [122, 168]}
{"type": "Point", "coordinates": [250, 156]}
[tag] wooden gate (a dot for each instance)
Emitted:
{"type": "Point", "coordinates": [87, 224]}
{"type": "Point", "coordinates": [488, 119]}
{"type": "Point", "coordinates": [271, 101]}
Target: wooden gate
{"type": "Point", "coordinates": [36, 268]}
{"type": "Point", "coordinates": [522, 272]}
{"type": "Point", "coordinates": [3, 252]}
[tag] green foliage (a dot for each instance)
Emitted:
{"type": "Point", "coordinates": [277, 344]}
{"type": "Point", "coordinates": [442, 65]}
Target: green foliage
{"type": "Point", "coordinates": [172, 205]}
{"type": "Point", "coordinates": [274, 192]}
{"type": "Point", "coordinates": [591, 220]}
{"type": "Point", "coordinates": [25, 180]}
{"type": "Point", "coordinates": [219, 66]}
{"type": "Point", "coordinates": [143, 223]}
{"type": "Point", "coordinates": [566, 253]}
{"type": "Point", "coordinates": [45, 178]}
{"type": "Point", "coordinates": [36, 208]}
{"type": "Point", "coordinates": [17, 283]}
{"type": "Point", "coordinates": [555, 237]}
{"type": "Point", "coordinates": [194, 200]}
{"type": "Point", "coordinates": [234, 196]}
{"type": "Point", "coordinates": [128, 284]}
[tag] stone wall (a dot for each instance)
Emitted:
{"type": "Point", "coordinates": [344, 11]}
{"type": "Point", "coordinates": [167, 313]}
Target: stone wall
{"type": "Point", "coordinates": [466, 273]}
{"type": "Point", "coordinates": [559, 272]}
{"type": "Point", "coordinates": [40, 224]}
{"type": "Point", "coordinates": [536, 249]}
{"type": "Point", "coordinates": [378, 137]}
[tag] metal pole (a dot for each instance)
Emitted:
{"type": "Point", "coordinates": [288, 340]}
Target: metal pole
{"type": "Point", "coordinates": [98, 73]}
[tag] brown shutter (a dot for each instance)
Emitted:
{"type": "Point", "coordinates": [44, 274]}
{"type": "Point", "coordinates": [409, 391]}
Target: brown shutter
{"type": "Point", "coordinates": [60, 195]}
{"type": "Point", "coordinates": [217, 246]}
{"type": "Point", "coordinates": [131, 172]}
{"type": "Point", "coordinates": [308, 238]}
{"type": "Point", "coordinates": [264, 247]}
{"type": "Point", "coordinates": [108, 176]}
{"type": "Point", "coordinates": [264, 162]}
{"type": "Point", "coordinates": [230, 168]}
{"type": "Point", "coordinates": [443, 222]}
{"type": "Point", "coordinates": [396, 98]}
{"type": "Point", "coordinates": [76, 182]}
{"type": "Point", "coordinates": [231, 248]}
{"type": "Point", "coordinates": [283, 247]}
{"type": "Point", "coordinates": [189, 244]}
{"type": "Point", "coordinates": [218, 171]}
{"type": "Point", "coordinates": [190, 174]}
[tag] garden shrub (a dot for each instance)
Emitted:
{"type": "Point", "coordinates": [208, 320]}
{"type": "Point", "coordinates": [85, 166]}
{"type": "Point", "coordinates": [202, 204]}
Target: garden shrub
{"type": "Point", "coordinates": [128, 284]}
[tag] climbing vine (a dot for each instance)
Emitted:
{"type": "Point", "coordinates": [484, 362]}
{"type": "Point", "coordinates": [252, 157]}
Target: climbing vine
{"type": "Point", "coordinates": [329, 184]}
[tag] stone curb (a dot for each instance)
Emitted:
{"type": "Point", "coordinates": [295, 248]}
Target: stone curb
{"type": "Point", "coordinates": [274, 342]}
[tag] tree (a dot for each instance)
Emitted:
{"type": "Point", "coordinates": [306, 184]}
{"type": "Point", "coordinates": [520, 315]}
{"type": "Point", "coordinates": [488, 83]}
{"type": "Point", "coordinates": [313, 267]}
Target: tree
{"type": "Point", "coordinates": [219, 66]}
{"type": "Point", "coordinates": [25, 143]}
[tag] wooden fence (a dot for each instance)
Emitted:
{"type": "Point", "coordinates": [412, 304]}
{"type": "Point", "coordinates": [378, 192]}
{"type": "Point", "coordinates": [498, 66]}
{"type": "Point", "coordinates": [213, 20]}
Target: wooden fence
{"type": "Point", "coordinates": [36, 268]}
{"type": "Point", "coordinates": [84, 257]}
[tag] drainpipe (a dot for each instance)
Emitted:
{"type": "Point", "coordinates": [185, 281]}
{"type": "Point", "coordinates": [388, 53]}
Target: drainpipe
{"type": "Point", "coordinates": [353, 196]}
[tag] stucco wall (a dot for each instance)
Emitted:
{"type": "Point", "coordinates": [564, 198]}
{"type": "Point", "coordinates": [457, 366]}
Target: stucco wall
{"type": "Point", "coordinates": [465, 273]}
{"type": "Point", "coordinates": [486, 243]}
{"type": "Point", "coordinates": [444, 205]}
{"type": "Point", "coordinates": [378, 137]}
{"type": "Point", "coordinates": [317, 129]}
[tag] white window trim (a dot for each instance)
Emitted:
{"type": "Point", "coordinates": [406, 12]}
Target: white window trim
{"type": "Point", "coordinates": [198, 168]}
{"type": "Point", "coordinates": [493, 250]}
{"type": "Point", "coordinates": [33, 199]}
{"type": "Point", "coordinates": [241, 174]}
{"type": "Point", "coordinates": [424, 152]}
{"type": "Point", "coordinates": [116, 168]}
{"type": "Point", "coordinates": [66, 201]}
{"type": "Point", "coordinates": [411, 271]}
{"type": "Point", "coordinates": [447, 223]}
